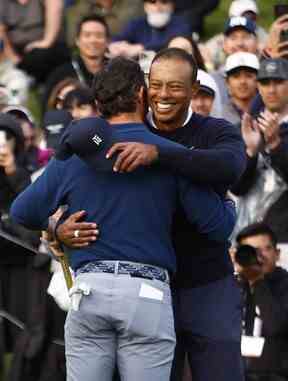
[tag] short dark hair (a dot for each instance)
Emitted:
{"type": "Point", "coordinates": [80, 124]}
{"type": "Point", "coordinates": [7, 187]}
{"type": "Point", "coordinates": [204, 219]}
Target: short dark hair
{"type": "Point", "coordinates": [178, 54]}
{"type": "Point", "coordinates": [258, 228]}
{"type": "Point", "coordinates": [94, 18]}
{"type": "Point", "coordinates": [81, 95]}
{"type": "Point", "coordinates": [117, 85]}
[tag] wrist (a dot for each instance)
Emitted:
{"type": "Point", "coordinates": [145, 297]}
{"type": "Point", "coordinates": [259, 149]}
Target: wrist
{"type": "Point", "coordinates": [274, 144]}
{"type": "Point", "coordinates": [251, 152]}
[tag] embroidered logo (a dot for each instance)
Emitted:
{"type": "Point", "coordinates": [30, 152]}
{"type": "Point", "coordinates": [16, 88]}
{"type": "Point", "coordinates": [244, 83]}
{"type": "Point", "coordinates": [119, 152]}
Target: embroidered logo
{"type": "Point", "coordinates": [97, 140]}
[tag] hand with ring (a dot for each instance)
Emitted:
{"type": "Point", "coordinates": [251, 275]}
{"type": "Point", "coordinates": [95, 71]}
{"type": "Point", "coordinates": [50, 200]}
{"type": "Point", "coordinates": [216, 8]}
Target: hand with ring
{"type": "Point", "coordinates": [76, 234]}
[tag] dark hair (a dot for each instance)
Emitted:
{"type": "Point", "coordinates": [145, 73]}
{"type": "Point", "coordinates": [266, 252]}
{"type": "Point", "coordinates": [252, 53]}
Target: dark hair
{"type": "Point", "coordinates": [94, 18]}
{"type": "Point", "coordinates": [196, 51]}
{"type": "Point", "coordinates": [81, 95]}
{"type": "Point", "coordinates": [54, 94]}
{"type": "Point", "coordinates": [116, 87]}
{"type": "Point", "coordinates": [178, 54]}
{"type": "Point", "coordinates": [259, 228]}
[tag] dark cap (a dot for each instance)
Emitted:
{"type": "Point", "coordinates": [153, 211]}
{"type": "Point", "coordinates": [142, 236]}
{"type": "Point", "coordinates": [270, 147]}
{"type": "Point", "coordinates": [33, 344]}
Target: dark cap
{"type": "Point", "coordinates": [11, 125]}
{"type": "Point", "coordinates": [239, 22]}
{"type": "Point", "coordinates": [89, 139]}
{"type": "Point", "coordinates": [54, 124]}
{"type": "Point", "coordinates": [273, 69]}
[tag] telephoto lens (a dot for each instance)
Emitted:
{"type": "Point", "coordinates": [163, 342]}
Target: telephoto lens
{"type": "Point", "coordinates": [246, 256]}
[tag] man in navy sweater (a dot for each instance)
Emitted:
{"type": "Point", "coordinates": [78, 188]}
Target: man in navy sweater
{"type": "Point", "coordinates": [206, 297]}
{"type": "Point", "coordinates": [125, 274]}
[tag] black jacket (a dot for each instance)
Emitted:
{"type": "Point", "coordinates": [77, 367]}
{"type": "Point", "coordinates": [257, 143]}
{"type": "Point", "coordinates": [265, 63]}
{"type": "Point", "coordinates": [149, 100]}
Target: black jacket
{"type": "Point", "coordinates": [271, 297]}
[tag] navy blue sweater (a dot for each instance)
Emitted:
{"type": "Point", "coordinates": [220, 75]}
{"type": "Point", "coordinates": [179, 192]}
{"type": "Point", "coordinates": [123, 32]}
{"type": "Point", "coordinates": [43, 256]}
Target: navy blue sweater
{"type": "Point", "coordinates": [134, 210]}
{"type": "Point", "coordinates": [217, 158]}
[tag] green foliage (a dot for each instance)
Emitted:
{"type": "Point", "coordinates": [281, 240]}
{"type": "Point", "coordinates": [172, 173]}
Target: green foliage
{"type": "Point", "coordinates": [215, 21]}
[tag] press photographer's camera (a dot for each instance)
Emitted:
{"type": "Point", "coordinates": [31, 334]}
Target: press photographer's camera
{"type": "Point", "coordinates": [246, 256]}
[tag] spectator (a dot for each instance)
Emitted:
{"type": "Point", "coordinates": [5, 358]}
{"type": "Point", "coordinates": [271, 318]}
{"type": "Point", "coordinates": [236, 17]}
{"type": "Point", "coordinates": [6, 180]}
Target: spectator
{"type": "Point", "coordinates": [151, 32]}
{"type": "Point", "coordinates": [14, 80]}
{"type": "Point", "coordinates": [13, 180]}
{"type": "Point", "coordinates": [115, 12]}
{"type": "Point", "coordinates": [33, 35]}
{"type": "Point", "coordinates": [35, 157]}
{"type": "Point", "coordinates": [240, 36]}
{"type": "Point", "coordinates": [59, 91]}
{"type": "Point", "coordinates": [202, 102]}
{"type": "Point", "coordinates": [241, 70]}
{"type": "Point", "coordinates": [80, 102]}
{"type": "Point", "coordinates": [195, 11]}
{"type": "Point", "coordinates": [262, 189]}
{"type": "Point", "coordinates": [92, 42]}
{"type": "Point", "coordinates": [213, 48]}
{"type": "Point", "coordinates": [266, 302]}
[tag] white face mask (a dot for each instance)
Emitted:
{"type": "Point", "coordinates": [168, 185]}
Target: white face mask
{"type": "Point", "coordinates": [158, 19]}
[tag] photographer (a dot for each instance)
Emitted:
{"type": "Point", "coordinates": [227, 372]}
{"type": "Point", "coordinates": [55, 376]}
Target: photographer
{"type": "Point", "coordinates": [266, 301]}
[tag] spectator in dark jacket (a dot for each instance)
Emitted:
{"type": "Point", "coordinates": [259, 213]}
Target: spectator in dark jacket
{"type": "Point", "coordinates": [151, 32]}
{"type": "Point", "coordinates": [262, 189]}
{"type": "Point", "coordinates": [92, 42]}
{"type": "Point", "coordinates": [13, 179]}
{"type": "Point", "coordinates": [266, 304]}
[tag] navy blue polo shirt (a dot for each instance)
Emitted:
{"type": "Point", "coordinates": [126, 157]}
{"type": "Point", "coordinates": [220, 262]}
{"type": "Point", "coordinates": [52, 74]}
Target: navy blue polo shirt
{"type": "Point", "coordinates": [134, 210]}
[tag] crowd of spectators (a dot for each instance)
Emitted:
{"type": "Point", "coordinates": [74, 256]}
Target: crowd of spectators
{"type": "Point", "coordinates": [243, 78]}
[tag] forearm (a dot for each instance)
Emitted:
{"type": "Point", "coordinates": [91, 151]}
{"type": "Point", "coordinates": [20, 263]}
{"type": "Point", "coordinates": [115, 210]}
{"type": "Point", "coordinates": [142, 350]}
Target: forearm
{"type": "Point", "coordinates": [53, 20]}
{"type": "Point", "coordinates": [205, 166]}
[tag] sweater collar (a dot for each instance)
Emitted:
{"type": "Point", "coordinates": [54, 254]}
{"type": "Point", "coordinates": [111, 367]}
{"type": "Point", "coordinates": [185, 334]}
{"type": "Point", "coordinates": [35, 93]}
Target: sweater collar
{"type": "Point", "coordinates": [150, 119]}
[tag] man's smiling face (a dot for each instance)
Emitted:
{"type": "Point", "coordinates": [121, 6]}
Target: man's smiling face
{"type": "Point", "coordinates": [170, 92]}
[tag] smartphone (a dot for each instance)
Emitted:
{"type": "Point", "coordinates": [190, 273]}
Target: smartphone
{"type": "Point", "coordinates": [280, 10]}
{"type": "Point", "coordinates": [284, 36]}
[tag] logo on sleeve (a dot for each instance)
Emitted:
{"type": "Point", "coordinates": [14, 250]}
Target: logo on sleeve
{"type": "Point", "coordinates": [97, 140]}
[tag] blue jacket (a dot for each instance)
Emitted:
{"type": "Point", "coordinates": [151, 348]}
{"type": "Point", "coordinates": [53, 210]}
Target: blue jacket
{"type": "Point", "coordinates": [138, 31]}
{"type": "Point", "coordinates": [134, 210]}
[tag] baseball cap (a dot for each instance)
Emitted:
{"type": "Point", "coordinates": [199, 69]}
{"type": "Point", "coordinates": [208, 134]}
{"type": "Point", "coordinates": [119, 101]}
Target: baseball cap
{"type": "Point", "coordinates": [241, 60]}
{"type": "Point", "coordinates": [273, 69]}
{"type": "Point", "coordinates": [90, 139]}
{"type": "Point", "coordinates": [207, 83]}
{"type": "Point", "coordinates": [238, 7]}
{"type": "Point", "coordinates": [54, 124]}
{"type": "Point", "coordinates": [19, 111]}
{"type": "Point", "coordinates": [239, 22]}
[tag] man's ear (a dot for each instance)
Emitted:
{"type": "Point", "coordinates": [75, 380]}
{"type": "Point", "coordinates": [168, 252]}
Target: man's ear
{"type": "Point", "coordinates": [143, 100]}
{"type": "Point", "coordinates": [195, 87]}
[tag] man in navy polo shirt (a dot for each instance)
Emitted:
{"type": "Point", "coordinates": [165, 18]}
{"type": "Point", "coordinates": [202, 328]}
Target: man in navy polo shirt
{"type": "Point", "coordinates": [126, 311]}
{"type": "Point", "coordinates": [206, 297]}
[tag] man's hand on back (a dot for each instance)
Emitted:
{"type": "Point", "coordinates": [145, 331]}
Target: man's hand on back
{"type": "Point", "coordinates": [76, 234]}
{"type": "Point", "coordinates": [132, 155]}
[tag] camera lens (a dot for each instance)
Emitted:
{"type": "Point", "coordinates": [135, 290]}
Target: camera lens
{"type": "Point", "coordinates": [246, 255]}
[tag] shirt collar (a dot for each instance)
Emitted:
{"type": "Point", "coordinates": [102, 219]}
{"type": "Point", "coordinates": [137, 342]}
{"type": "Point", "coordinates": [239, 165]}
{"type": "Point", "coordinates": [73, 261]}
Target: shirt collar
{"type": "Point", "coordinates": [150, 119]}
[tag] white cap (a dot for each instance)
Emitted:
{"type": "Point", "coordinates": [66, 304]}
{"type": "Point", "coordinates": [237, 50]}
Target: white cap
{"type": "Point", "coordinates": [207, 82]}
{"type": "Point", "coordinates": [238, 7]}
{"type": "Point", "coordinates": [241, 59]}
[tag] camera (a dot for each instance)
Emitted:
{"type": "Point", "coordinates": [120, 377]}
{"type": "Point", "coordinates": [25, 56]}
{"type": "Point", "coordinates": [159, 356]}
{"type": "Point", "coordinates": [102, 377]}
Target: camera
{"type": "Point", "coordinates": [246, 256]}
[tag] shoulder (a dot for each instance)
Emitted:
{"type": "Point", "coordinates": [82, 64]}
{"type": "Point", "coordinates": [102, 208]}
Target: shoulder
{"type": "Point", "coordinates": [213, 126]}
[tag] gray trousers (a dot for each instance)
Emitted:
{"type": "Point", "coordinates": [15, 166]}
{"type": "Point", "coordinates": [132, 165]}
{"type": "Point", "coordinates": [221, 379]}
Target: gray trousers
{"type": "Point", "coordinates": [124, 320]}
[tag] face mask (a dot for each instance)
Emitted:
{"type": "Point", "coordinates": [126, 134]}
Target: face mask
{"type": "Point", "coordinates": [158, 19]}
